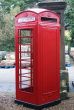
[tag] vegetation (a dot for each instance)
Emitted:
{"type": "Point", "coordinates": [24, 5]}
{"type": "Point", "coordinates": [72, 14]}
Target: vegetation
{"type": "Point", "coordinates": [69, 21]}
{"type": "Point", "coordinates": [9, 8]}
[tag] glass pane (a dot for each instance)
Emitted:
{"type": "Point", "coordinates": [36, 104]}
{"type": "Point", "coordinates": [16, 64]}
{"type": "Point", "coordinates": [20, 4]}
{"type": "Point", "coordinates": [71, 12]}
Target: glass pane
{"type": "Point", "coordinates": [24, 33]}
{"type": "Point", "coordinates": [25, 60]}
{"type": "Point", "coordinates": [25, 40]}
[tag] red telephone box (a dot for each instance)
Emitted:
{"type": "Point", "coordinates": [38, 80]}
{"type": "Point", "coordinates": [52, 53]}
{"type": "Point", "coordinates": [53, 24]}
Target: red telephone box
{"type": "Point", "coordinates": [37, 47]}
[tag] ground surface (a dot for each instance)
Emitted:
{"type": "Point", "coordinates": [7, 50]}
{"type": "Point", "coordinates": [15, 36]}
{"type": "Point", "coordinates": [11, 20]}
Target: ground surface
{"type": "Point", "coordinates": [7, 103]}
{"type": "Point", "coordinates": [7, 91]}
{"type": "Point", "coordinates": [7, 78]}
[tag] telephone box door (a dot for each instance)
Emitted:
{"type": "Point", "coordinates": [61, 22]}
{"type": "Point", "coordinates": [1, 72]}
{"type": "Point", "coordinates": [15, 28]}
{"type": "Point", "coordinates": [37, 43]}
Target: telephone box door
{"type": "Point", "coordinates": [24, 56]}
{"type": "Point", "coordinates": [25, 60]}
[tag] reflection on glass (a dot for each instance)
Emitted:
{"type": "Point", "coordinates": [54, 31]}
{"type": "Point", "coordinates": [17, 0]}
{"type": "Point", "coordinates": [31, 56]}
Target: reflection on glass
{"type": "Point", "coordinates": [25, 61]}
{"type": "Point", "coordinates": [25, 41]}
{"type": "Point", "coordinates": [25, 33]}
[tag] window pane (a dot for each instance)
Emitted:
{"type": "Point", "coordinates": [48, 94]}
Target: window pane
{"type": "Point", "coordinates": [24, 33]}
{"type": "Point", "coordinates": [25, 40]}
{"type": "Point", "coordinates": [25, 60]}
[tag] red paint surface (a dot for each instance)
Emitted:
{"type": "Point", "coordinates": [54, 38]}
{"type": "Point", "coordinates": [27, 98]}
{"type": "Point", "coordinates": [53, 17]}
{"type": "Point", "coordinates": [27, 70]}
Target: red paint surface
{"type": "Point", "coordinates": [45, 58]}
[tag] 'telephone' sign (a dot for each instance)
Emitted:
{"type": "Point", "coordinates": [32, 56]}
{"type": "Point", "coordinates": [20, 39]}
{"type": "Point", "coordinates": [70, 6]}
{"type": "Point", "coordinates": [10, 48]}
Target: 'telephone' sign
{"type": "Point", "coordinates": [26, 19]}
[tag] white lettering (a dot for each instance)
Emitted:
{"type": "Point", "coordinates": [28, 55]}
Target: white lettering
{"type": "Point", "coordinates": [26, 19]}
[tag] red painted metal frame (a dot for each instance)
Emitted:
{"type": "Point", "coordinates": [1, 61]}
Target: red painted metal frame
{"type": "Point", "coordinates": [45, 58]}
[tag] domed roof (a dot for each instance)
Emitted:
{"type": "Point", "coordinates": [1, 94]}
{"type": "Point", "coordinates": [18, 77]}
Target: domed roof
{"type": "Point", "coordinates": [37, 10]}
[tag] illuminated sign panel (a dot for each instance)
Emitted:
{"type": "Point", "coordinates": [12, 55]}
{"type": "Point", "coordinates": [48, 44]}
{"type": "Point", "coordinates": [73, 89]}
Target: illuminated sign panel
{"type": "Point", "coordinates": [26, 19]}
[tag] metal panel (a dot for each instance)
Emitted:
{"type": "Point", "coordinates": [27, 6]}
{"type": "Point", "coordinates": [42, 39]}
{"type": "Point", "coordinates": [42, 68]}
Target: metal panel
{"type": "Point", "coordinates": [37, 57]}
